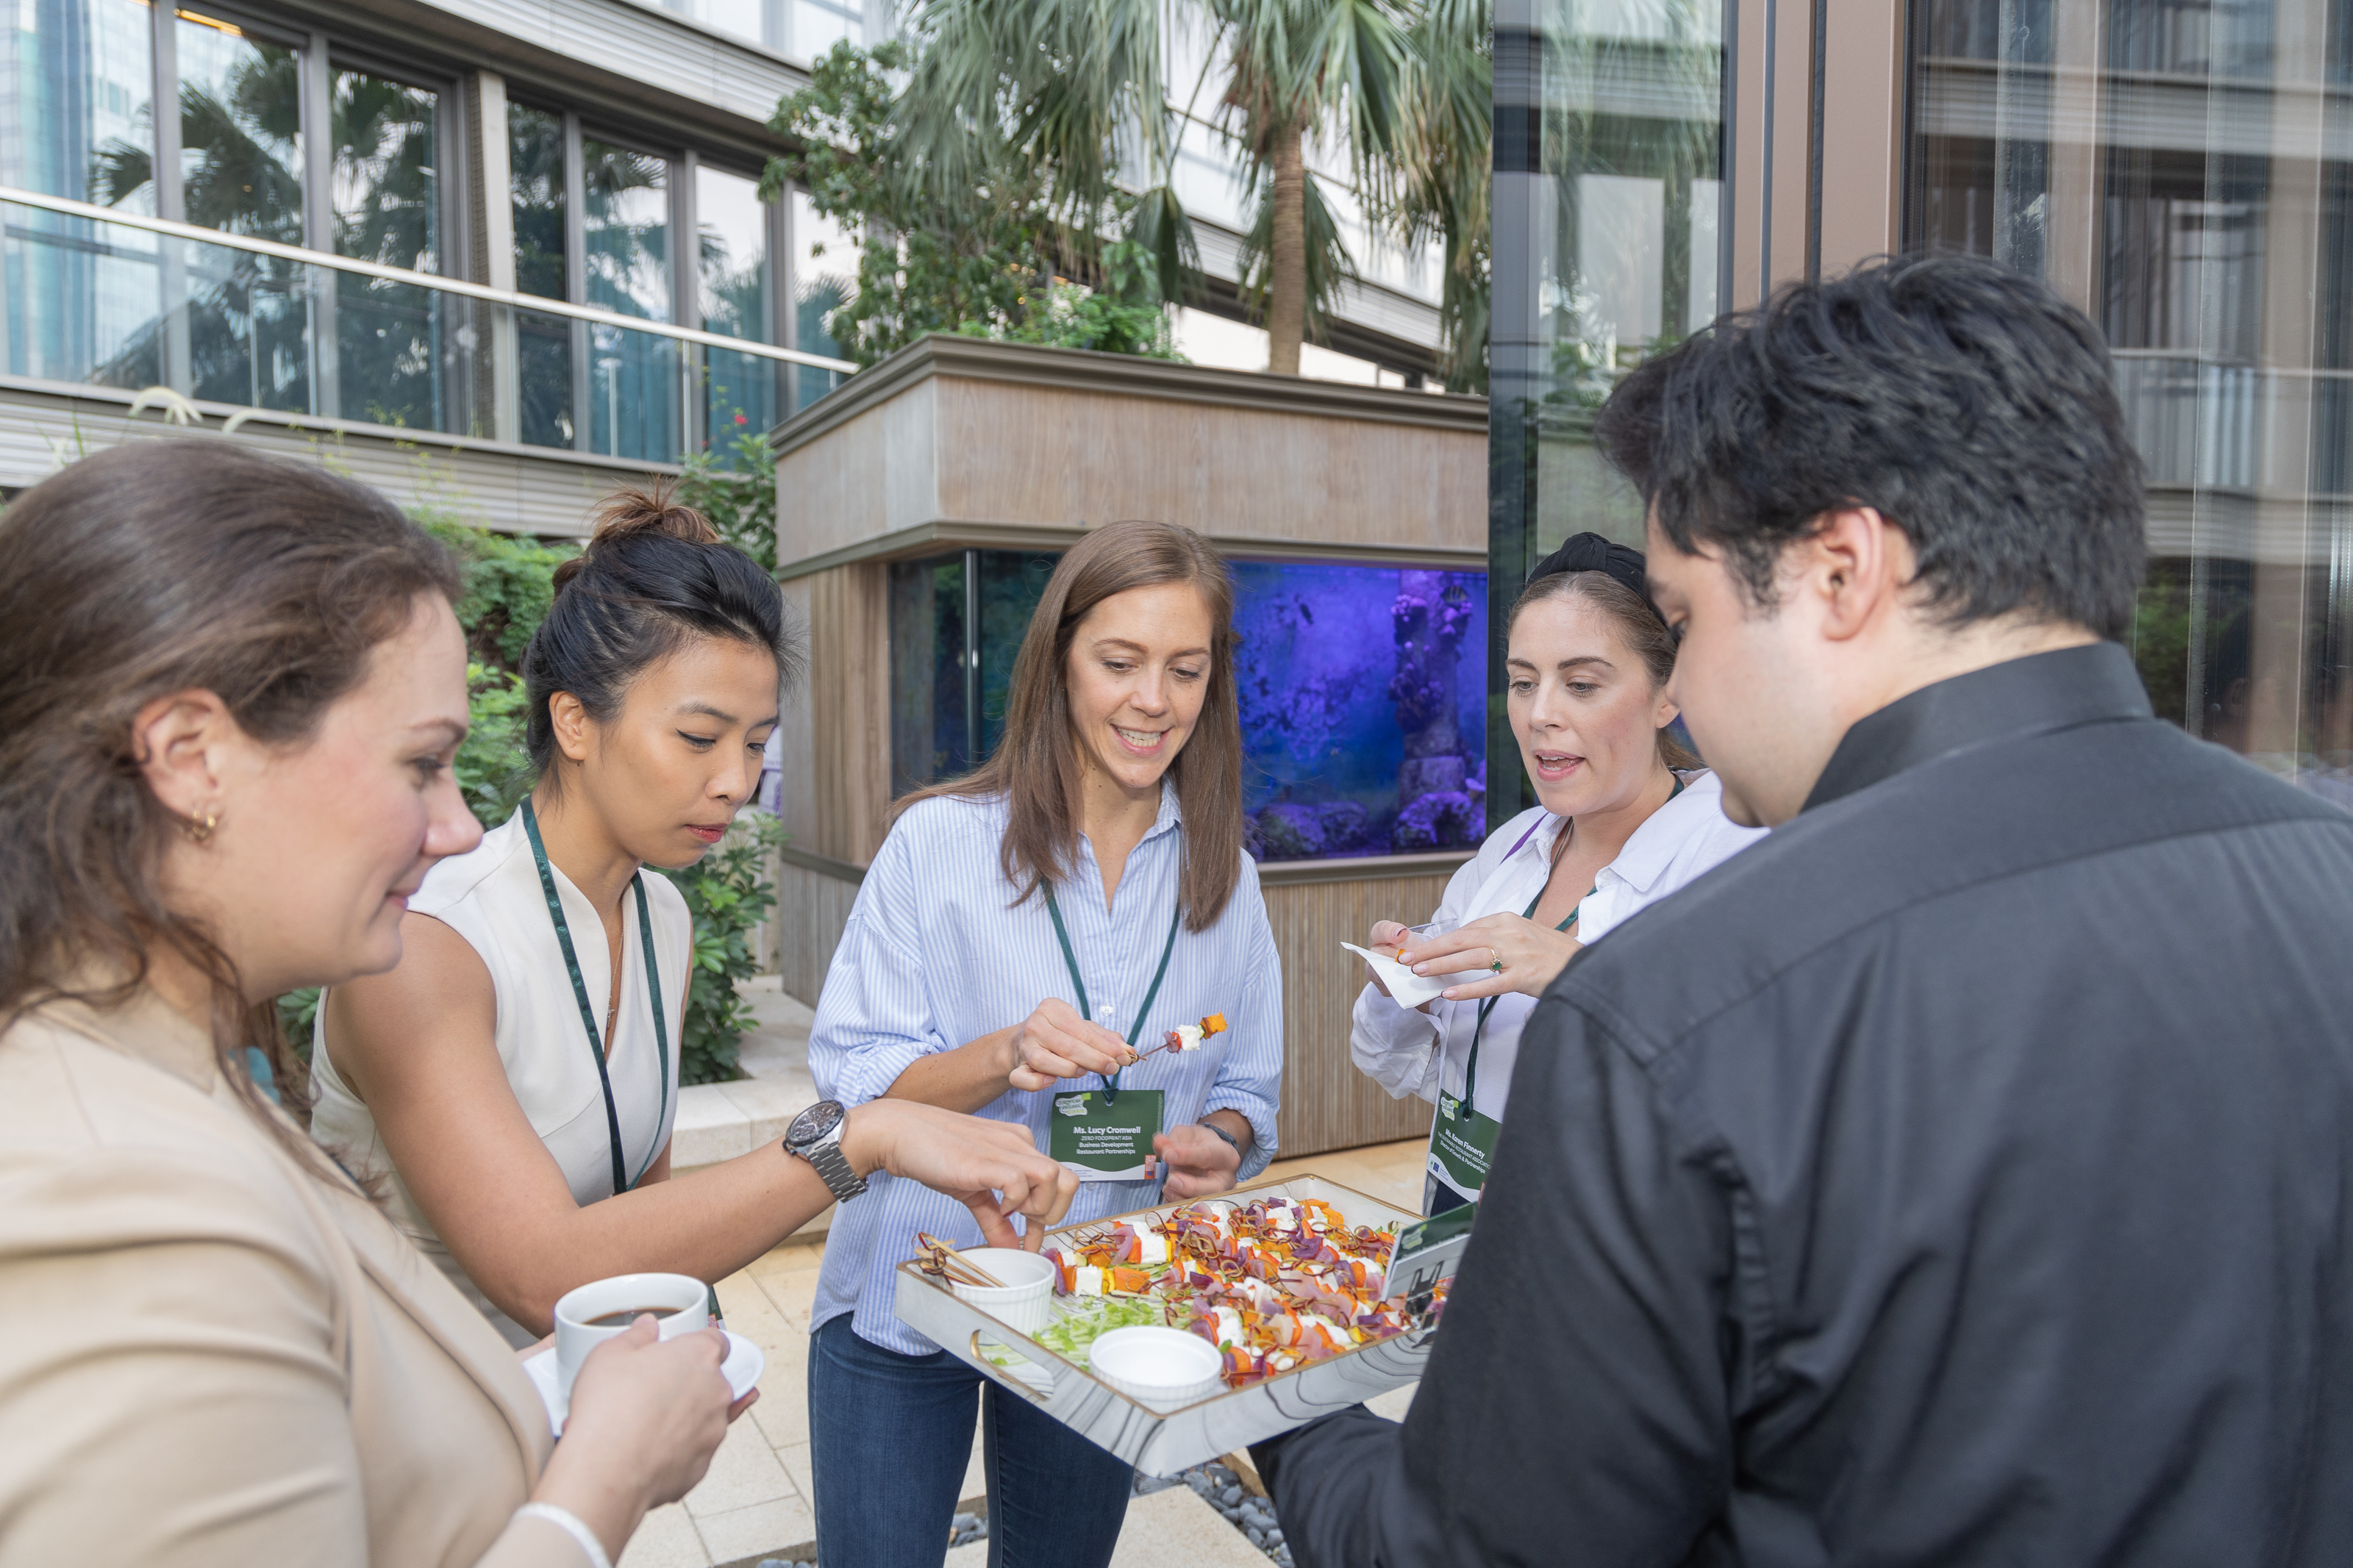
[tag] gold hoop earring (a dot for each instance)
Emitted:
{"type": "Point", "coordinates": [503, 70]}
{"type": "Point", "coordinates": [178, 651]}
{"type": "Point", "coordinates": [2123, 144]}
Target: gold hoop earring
{"type": "Point", "coordinates": [200, 829]}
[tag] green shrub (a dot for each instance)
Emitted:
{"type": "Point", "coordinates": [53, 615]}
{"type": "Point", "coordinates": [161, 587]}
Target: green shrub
{"type": "Point", "coordinates": [740, 500]}
{"type": "Point", "coordinates": [492, 767]}
{"type": "Point", "coordinates": [728, 892]}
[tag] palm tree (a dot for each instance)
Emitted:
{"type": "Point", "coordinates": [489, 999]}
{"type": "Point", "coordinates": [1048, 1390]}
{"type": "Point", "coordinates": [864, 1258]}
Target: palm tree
{"type": "Point", "coordinates": [1079, 86]}
{"type": "Point", "coordinates": [1445, 171]}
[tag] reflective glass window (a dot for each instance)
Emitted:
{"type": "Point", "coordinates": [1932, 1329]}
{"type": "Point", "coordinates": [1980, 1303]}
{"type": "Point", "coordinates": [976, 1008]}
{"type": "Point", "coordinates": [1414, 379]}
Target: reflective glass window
{"type": "Point", "coordinates": [240, 131]}
{"type": "Point", "coordinates": [535, 177]}
{"type": "Point", "coordinates": [823, 278]}
{"type": "Point", "coordinates": [928, 737]}
{"type": "Point", "coordinates": [1609, 201]}
{"type": "Point", "coordinates": [757, 21]}
{"type": "Point", "coordinates": [249, 316]}
{"type": "Point", "coordinates": [82, 299]}
{"type": "Point", "coordinates": [2182, 170]}
{"type": "Point", "coordinates": [819, 25]}
{"type": "Point", "coordinates": [387, 210]}
{"type": "Point", "coordinates": [633, 377]}
{"type": "Point", "coordinates": [736, 297]}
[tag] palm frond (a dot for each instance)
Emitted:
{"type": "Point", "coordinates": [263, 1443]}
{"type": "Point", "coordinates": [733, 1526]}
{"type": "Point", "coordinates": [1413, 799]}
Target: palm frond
{"type": "Point", "coordinates": [1330, 268]}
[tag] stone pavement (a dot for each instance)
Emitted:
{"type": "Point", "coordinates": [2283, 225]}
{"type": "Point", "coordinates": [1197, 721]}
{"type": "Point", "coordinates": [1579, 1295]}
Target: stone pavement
{"type": "Point", "coordinates": [755, 1500]}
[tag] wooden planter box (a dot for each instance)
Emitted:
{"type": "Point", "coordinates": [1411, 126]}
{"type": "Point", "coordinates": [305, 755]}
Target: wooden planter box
{"type": "Point", "coordinates": [960, 443]}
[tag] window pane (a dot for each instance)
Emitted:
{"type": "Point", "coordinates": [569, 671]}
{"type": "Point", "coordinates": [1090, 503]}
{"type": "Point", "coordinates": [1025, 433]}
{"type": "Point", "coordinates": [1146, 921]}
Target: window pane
{"type": "Point", "coordinates": [536, 175]}
{"type": "Point", "coordinates": [819, 25]}
{"type": "Point", "coordinates": [387, 202]}
{"type": "Point", "coordinates": [633, 387]}
{"type": "Point", "coordinates": [928, 741]}
{"type": "Point", "coordinates": [240, 132]}
{"type": "Point", "coordinates": [2179, 171]}
{"type": "Point", "coordinates": [542, 343]}
{"type": "Point", "coordinates": [733, 283]}
{"type": "Point", "coordinates": [241, 171]}
{"type": "Point", "coordinates": [627, 225]}
{"type": "Point", "coordinates": [76, 77]}
{"type": "Point", "coordinates": [756, 20]}
{"type": "Point", "coordinates": [388, 172]}
{"type": "Point", "coordinates": [1011, 583]}
{"type": "Point", "coordinates": [823, 278]}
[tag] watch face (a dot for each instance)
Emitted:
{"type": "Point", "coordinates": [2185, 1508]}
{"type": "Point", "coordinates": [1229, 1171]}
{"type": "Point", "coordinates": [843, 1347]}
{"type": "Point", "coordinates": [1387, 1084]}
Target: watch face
{"type": "Point", "coordinates": [813, 1123]}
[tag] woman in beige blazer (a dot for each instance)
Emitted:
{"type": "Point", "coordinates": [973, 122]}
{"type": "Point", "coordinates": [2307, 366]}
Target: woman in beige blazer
{"type": "Point", "coordinates": [231, 692]}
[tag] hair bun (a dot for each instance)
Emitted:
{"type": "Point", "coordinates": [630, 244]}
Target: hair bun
{"type": "Point", "coordinates": [633, 510]}
{"type": "Point", "coordinates": [638, 511]}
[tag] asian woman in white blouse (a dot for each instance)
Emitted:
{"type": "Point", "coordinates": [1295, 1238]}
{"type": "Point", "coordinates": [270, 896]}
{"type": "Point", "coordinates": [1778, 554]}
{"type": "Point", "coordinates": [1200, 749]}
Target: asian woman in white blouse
{"type": "Point", "coordinates": [513, 1080]}
{"type": "Point", "coordinates": [1627, 816]}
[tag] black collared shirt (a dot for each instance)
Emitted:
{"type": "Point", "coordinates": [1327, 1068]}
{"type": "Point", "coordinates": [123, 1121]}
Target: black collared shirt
{"type": "Point", "coordinates": [1963, 1174]}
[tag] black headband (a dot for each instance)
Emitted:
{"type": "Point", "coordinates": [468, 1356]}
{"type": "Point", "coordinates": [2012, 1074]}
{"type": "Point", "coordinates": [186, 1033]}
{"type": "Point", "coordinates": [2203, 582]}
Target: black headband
{"type": "Point", "coordinates": [1591, 552]}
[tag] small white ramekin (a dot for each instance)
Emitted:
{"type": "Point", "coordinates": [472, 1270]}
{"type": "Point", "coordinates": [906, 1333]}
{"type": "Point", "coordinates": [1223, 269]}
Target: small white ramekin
{"type": "Point", "coordinates": [1159, 1366]}
{"type": "Point", "coordinates": [1027, 1300]}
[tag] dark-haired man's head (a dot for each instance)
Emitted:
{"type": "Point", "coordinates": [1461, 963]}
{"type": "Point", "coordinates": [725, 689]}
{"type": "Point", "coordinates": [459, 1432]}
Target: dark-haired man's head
{"type": "Point", "coordinates": [1871, 484]}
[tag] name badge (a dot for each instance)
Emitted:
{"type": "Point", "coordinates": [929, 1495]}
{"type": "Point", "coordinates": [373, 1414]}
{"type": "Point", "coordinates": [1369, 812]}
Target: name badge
{"type": "Point", "coordinates": [1462, 1146]}
{"type": "Point", "coordinates": [1106, 1142]}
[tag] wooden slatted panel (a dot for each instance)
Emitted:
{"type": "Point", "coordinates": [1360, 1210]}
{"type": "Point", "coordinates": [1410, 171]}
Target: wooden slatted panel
{"type": "Point", "coordinates": [812, 911]}
{"type": "Point", "coordinates": [850, 710]}
{"type": "Point", "coordinates": [1327, 1103]}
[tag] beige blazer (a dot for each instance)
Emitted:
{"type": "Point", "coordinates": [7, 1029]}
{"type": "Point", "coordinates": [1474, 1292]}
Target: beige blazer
{"type": "Point", "coordinates": [210, 1357]}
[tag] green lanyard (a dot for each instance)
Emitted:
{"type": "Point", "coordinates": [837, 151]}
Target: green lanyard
{"type": "Point", "coordinates": [1071, 960]}
{"type": "Point", "coordinates": [588, 1013]}
{"type": "Point", "coordinates": [1471, 1068]}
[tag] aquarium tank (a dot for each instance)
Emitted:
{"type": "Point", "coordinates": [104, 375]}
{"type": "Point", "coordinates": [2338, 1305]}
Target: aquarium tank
{"type": "Point", "coordinates": [1362, 688]}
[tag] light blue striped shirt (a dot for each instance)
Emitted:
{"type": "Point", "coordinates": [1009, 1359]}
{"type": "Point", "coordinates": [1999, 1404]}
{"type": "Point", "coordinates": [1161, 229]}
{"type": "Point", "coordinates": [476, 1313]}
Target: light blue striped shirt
{"type": "Point", "coordinates": [935, 955]}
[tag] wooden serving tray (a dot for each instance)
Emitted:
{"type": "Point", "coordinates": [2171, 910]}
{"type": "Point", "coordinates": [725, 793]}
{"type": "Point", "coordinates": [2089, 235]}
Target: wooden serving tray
{"type": "Point", "coordinates": [1165, 1442]}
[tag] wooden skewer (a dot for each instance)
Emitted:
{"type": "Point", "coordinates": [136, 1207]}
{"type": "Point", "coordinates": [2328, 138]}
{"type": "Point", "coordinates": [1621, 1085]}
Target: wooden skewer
{"type": "Point", "coordinates": [979, 1276]}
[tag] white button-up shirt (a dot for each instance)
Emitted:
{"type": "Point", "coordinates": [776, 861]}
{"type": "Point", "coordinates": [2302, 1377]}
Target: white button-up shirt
{"type": "Point", "coordinates": [1408, 1052]}
{"type": "Point", "coordinates": [937, 953]}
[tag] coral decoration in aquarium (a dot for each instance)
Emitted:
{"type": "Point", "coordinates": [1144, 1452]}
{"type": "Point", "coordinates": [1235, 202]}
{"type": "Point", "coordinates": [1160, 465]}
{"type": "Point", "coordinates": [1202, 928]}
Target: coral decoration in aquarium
{"type": "Point", "coordinates": [1361, 717]}
{"type": "Point", "coordinates": [1363, 693]}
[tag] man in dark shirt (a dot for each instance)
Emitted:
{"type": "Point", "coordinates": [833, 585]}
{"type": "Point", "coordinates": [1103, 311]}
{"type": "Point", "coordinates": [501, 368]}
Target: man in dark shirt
{"type": "Point", "coordinates": [1963, 1174]}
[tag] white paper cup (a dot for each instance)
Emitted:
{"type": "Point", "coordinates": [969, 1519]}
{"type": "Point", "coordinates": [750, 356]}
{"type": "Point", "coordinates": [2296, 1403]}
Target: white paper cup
{"type": "Point", "coordinates": [1026, 1302]}
{"type": "Point", "coordinates": [1160, 1366]}
{"type": "Point", "coordinates": [680, 1302]}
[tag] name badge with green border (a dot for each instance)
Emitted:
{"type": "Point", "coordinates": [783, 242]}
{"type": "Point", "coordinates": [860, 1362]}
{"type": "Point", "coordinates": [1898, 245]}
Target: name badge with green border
{"type": "Point", "coordinates": [1462, 1146]}
{"type": "Point", "coordinates": [1106, 1142]}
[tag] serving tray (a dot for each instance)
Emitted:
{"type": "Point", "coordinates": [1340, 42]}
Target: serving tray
{"type": "Point", "coordinates": [1163, 1442]}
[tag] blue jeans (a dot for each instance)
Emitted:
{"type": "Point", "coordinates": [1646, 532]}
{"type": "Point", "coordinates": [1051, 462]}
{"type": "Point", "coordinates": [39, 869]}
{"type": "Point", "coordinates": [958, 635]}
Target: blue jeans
{"type": "Point", "coordinates": [889, 1438]}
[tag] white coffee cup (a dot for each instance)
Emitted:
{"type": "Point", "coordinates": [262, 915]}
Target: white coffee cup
{"type": "Point", "coordinates": [679, 1304]}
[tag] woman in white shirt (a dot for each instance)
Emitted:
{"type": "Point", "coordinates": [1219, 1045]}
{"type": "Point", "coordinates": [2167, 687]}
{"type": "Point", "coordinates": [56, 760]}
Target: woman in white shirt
{"type": "Point", "coordinates": [1627, 818]}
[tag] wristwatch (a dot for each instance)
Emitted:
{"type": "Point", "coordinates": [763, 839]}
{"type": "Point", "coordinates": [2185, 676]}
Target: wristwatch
{"type": "Point", "coordinates": [815, 1135]}
{"type": "Point", "coordinates": [1213, 1127]}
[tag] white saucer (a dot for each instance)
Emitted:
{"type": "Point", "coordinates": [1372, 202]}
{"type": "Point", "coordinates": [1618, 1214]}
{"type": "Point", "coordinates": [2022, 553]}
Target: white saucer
{"type": "Point", "coordinates": [742, 1369]}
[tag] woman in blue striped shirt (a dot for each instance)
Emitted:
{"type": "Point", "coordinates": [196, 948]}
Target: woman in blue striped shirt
{"type": "Point", "coordinates": [1020, 932]}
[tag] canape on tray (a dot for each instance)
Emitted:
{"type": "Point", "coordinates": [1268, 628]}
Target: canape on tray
{"type": "Point", "coordinates": [1272, 1283]}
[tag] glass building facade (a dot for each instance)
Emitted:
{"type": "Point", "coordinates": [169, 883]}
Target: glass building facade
{"type": "Point", "coordinates": [323, 151]}
{"type": "Point", "coordinates": [2182, 170]}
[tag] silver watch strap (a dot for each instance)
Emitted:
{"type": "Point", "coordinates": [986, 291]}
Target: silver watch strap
{"type": "Point", "coordinates": [841, 1179]}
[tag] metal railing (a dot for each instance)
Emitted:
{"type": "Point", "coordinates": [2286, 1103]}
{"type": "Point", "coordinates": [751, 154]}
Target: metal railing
{"type": "Point", "coordinates": [99, 296]}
